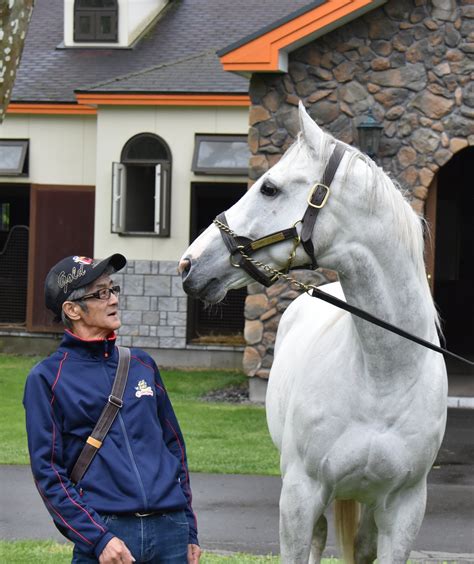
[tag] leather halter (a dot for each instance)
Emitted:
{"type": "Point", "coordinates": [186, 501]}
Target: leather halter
{"type": "Point", "coordinates": [241, 248]}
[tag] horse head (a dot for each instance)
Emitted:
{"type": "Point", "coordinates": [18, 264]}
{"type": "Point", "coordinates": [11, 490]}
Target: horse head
{"type": "Point", "coordinates": [276, 202]}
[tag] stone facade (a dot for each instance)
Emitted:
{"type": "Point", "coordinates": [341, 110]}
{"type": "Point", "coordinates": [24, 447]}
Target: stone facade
{"type": "Point", "coordinates": [412, 63]}
{"type": "Point", "coordinates": [153, 305]}
{"type": "Point", "coordinates": [154, 314]}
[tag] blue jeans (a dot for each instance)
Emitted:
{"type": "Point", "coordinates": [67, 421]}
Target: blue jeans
{"type": "Point", "coordinates": [157, 539]}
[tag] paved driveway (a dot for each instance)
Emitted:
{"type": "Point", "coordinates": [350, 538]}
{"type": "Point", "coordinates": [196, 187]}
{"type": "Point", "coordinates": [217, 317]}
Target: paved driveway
{"type": "Point", "coordinates": [240, 513]}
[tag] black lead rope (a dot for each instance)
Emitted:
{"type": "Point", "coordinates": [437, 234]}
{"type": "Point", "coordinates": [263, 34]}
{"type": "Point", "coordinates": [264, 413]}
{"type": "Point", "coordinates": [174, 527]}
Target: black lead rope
{"type": "Point", "coordinates": [316, 293]}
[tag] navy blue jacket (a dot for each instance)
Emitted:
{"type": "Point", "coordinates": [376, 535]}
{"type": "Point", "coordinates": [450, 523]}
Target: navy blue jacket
{"type": "Point", "coordinates": [141, 466]}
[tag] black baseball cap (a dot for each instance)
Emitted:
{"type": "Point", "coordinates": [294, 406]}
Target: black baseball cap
{"type": "Point", "coordinates": [72, 273]}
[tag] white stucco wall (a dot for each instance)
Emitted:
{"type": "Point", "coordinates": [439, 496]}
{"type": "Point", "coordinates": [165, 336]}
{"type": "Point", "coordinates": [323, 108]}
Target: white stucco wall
{"type": "Point", "coordinates": [80, 150]}
{"type": "Point", "coordinates": [62, 149]}
{"type": "Point", "coordinates": [140, 15]}
{"type": "Point", "coordinates": [177, 126]}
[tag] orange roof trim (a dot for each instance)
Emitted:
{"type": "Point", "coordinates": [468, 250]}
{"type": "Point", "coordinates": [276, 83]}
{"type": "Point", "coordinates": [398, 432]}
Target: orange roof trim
{"type": "Point", "coordinates": [107, 99]}
{"type": "Point", "coordinates": [87, 103]}
{"type": "Point", "coordinates": [51, 109]}
{"type": "Point", "coordinates": [269, 52]}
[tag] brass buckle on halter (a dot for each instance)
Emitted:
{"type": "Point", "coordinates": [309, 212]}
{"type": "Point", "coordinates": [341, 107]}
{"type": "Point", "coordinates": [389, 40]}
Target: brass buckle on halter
{"type": "Point", "coordinates": [311, 194]}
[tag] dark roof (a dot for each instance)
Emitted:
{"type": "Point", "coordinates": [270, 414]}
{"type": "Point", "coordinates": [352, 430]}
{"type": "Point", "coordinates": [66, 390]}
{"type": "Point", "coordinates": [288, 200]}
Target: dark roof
{"type": "Point", "coordinates": [178, 54]}
{"type": "Point", "coordinates": [271, 26]}
{"type": "Point", "coordinates": [190, 74]}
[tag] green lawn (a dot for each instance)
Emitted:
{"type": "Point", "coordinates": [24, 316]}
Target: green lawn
{"type": "Point", "coordinates": [49, 552]}
{"type": "Point", "coordinates": [46, 552]}
{"type": "Point", "coordinates": [221, 438]}
{"type": "Point", "coordinates": [13, 372]}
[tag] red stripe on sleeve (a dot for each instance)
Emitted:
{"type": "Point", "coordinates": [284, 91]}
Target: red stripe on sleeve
{"type": "Point", "coordinates": [58, 375]}
{"type": "Point", "coordinates": [185, 470]}
{"type": "Point", "coordinates": [48, 503]}
{"type": "Point", "coordinates": [144, 363]}
{"type": "Point", "coordinates": [52, 459]}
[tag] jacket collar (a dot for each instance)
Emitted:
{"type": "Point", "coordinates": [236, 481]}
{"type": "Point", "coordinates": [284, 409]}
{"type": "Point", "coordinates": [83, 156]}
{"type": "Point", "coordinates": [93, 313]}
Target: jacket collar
{"type": "Point", "coordinates": [95, 348]}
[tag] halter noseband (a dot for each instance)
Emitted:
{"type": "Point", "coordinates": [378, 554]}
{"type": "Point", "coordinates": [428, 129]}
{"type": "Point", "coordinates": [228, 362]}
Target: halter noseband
{"type": "Point", "coordinates": [241, 248]}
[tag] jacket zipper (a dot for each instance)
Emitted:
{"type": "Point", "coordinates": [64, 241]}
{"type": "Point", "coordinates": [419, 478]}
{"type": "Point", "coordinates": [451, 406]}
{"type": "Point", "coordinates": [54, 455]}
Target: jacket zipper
{"type": "Point", "coordinates": [134, 464]}
{"type": "Point", "coordinates": [130, 453]}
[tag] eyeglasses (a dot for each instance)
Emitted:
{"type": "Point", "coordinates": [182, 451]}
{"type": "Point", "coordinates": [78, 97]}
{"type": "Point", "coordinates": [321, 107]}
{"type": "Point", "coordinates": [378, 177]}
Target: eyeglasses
{"type": "Point", "coordinates": [102, 294]}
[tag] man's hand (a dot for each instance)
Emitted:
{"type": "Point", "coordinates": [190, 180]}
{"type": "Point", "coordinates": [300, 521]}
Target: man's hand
{"type": "Point", "coordinates": [116, 552]}
{"type": "Point", "coordinates": [194, 554]}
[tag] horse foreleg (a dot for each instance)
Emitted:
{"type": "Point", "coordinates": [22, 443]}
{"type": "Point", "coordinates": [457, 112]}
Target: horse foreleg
{"type": "Point", "coordinates": [366, 540]}
{"type": "Point", "coordinates": [300, 507]}
{"type": "Point", "coordinates": [398, 524]}
{"type": "Point", "coordinates": [320, 533]}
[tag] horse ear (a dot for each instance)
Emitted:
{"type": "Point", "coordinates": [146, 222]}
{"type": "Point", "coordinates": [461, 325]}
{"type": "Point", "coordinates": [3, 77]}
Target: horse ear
{"type": "Point", "coordinates": [312, 133]}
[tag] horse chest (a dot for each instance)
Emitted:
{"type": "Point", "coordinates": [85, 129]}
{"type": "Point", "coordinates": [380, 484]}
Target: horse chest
{"type": "Point", "coordinates": [326, 416]}
{"type": "Point", "coordinates": [358, 455]}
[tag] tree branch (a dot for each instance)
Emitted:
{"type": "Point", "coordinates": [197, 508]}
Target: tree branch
{"type": "Point", "coordinates": [15, 16]}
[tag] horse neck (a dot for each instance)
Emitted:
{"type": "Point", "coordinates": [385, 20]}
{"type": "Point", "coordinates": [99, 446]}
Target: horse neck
{"type": "Point", "coordinates": [378, 275]}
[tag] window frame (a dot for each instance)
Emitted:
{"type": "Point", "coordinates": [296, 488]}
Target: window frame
{"type": "Point", "coordinates": [95, 13]}
{"type": "Point", "coordinates": [217, 171]}
{"type": "Point", "coordinates": [22, 169]}
{"type": "Point", "coordinates": [162, 203]}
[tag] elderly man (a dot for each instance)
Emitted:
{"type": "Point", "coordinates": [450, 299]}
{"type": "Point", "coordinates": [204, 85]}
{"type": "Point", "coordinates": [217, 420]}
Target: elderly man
{"type": "Point", "coordinates": [133, 503]}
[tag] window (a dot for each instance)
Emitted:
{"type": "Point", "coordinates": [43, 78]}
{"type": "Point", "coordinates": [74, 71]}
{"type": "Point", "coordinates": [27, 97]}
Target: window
{"type": "Point", "coordinates": [223, 324]}
{"type": "Point", "coordinates": [13, 157]}
{"type": "Point", "coordinates": [141, 187]}
{"type": "Point", "coordinates": [95, 21]}
{"type": "Point", "coordinates": [221, 154]}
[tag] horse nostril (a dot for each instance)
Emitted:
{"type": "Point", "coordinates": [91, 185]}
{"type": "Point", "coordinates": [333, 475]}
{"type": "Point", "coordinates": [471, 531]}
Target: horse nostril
{"type": "Point", "coordinates": [184, 267]}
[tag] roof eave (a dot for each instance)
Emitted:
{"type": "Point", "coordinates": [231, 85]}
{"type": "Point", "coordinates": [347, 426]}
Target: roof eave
{"type": "Point", "coordinates": [268, 51]}
{"type": "Point", "coordinates": [193, 99]}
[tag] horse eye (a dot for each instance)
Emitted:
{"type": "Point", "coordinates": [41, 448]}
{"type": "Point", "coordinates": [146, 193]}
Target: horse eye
{"type": "Point", "coordinates": [268, 190]}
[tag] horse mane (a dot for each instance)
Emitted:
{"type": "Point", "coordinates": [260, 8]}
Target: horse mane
{"type": "Point", "coordinates": [381, 191]}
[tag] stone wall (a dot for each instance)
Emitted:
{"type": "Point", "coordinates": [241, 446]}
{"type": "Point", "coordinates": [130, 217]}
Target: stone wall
{"type": "Point", "coordinates": [154, 309]}
{"type": "Point", "coordinates": [412, 63]}
{"type": "Point", "coordinates": [153, 305]}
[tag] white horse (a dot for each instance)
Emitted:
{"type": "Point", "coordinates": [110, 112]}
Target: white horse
{"type": "Point", "coordinates": [357, 412]}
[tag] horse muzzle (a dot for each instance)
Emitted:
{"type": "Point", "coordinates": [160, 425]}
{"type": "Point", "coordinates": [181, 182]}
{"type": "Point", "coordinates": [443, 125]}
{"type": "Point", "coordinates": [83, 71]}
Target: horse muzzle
{"type": "Point", "coordinates": [207, 289]}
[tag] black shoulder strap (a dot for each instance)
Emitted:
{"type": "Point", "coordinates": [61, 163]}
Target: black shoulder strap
{"type": "Point", "coordinates": [107, 417]}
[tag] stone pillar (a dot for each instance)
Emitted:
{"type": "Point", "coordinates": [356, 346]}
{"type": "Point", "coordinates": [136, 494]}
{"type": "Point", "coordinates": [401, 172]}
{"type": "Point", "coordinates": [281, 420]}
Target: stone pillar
{"type": "Point", "coordinates": [410, 61]}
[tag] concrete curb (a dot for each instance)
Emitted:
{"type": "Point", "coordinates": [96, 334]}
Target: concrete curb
{"type": "Point", "coordinates": [460, 402]}
{"type": "Point", "coordinates": [416, 557]}
{"type": "Point", "coordinates": [428, 556]}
